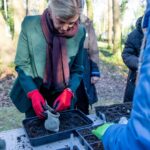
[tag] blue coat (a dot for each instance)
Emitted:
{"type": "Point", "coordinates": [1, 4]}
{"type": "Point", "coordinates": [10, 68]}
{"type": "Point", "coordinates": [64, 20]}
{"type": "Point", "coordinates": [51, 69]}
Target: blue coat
{"type": "Point", "coordinates": [136, 134]}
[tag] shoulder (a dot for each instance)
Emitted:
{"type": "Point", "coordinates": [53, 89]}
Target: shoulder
{"type": "Point", "coordinates": [30, 21]}
{"type": "Point", "coordinates": [135, 34]}
{"type": "Point", "coordinates": [81, 31]}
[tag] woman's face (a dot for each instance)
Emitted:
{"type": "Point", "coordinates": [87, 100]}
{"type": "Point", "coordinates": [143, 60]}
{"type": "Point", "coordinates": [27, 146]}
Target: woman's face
{"type": "Point", "coordinates": [62, 25]}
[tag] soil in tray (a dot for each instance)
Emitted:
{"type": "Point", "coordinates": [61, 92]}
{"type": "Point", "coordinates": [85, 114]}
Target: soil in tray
{"type": "Point", "coordinates": [97, 146]}
{"type": "Point", "coordinates": [91, 139]}
{"type": "Point", "coordinates": [121, 108]}
{"type": "Point", "coordinates": [35, 127]}
{"type": "Point", "coordinates": [68, 148]}
{"type": "Point", "coordinates": [112, 117]}
{"type": "Point", "coordinates": [85, 132]}
{"type": "Point", "coordinates": [115, 112]}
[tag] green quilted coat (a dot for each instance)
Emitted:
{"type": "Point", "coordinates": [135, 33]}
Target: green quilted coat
{"type": "Point", "coordinates": [31, 59]}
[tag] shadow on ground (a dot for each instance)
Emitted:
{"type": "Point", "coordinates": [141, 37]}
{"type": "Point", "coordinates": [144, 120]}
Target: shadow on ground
{"type": "Point", "coordinates": [106, 53]}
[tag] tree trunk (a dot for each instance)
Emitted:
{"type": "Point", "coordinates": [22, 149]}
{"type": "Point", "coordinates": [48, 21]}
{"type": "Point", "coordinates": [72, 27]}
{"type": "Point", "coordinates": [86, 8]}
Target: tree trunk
{"type": "Point", "coordinates": [35, 7]}
{"type": "Point", "coordinates": [6, 48]}
{"type": "Point", "coordinates": [19, 13]}
{"type": "Point", "coordinates": [110, 23]}
{"type": "Point", "coordinates": [89, 4]}
{"type": "Point", "coordinates": [27, 7]}
{"type": "Point", "coordinates": [116, 27]}
{"type": "Point", "coordinates": [5, 9]}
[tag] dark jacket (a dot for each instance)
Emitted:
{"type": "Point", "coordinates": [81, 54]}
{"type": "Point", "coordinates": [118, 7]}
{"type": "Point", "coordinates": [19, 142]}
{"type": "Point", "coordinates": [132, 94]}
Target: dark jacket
{"type": "Point", "coordinates": [130, 56]}
{"type": "Point", "coordinates": [31, 58]}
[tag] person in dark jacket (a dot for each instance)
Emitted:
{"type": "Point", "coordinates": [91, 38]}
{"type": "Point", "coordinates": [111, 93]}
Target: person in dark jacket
{"type": "Point", "coordinates": [86, 92]}
{"type": "Point", "coordinates": [49, 59]}
{"type": "Point", "coordinates": [130, 56]}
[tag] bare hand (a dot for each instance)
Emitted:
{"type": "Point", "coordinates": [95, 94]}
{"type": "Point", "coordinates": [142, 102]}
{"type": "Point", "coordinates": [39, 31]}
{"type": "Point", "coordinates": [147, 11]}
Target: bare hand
{"type": "Point", "coordinates": [94, 79]}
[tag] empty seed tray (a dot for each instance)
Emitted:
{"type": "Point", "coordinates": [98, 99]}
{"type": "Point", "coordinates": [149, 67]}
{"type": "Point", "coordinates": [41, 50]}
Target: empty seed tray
{"type": "Point", "coordinates": [90, 141]}
{"type": "Point", "coordinates": [113, 113]}
{"type": "Point", "coordinates": [69, 121]}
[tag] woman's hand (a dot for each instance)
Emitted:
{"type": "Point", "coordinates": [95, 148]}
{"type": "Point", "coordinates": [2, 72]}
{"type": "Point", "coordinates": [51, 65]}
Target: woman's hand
{"type": "Point", "coordinates": [63, 101]}
{"type": "Point", "coordinates": [38, 102]}
{"type": "Point", "coordinates": [94, 79]}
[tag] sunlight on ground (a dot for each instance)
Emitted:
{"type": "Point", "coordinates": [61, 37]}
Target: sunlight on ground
{"type": "Point", "coordinates": [113, 62]}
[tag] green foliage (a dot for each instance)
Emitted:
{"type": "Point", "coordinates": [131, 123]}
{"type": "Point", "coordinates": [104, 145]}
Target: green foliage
{"type": "Point", "coordinates": [113, 61]}
{"type": "Point", "coordinates": [11, 65]}
{"type": "Point", "coordinates": [1, 4]}
{"type": "Point", "coordinates": [10, 118]}
{"type": "Point", "coordinates": [109, 47]}
{"type": "Point", "coordinates": [123, 7]}
{"type": "Point", "coordinates": [90, 9]}
{"type": "Point", "coordinates": [9, 19]}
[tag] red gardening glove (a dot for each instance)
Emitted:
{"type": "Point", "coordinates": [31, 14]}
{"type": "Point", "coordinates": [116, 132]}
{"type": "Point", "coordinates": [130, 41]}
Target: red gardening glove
{"type": "Point", "coordinates": [38, 102]}
{"type": "Point", "coordinates": [63, 101]}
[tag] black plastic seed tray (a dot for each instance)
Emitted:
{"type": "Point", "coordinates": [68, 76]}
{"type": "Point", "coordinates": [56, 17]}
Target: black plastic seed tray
{"type": "Point", "coordinates": [69, 121]}
{"type": "Point", "coordinates": [113, 113]}
{"type": "Point", "coordinates": [68, 148]}
{"type": "Point", "coordinates": [90, 141]}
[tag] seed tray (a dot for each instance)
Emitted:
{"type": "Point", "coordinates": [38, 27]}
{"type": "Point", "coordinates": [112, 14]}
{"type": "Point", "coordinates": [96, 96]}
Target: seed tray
{"type": "Point", "coordinates": [90, 141]}
{"type": "Point", "coordinates": [68, 148]}
{"type": "Point", "coordinates": [113, 113]}
{"type": "Point", "coordinates": [69, 121]}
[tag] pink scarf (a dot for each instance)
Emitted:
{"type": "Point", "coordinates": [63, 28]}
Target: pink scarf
{"type": "Point", "coordinates": [57, 71]}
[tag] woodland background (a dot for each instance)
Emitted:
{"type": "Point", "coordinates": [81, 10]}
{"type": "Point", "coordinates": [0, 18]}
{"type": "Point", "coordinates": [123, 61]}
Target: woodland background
{"type": "Point", "coordinates": [112, 19]}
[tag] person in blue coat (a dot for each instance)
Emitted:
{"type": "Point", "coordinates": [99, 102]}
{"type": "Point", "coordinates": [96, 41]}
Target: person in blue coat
{"type": "Point", "coordinates": [135, 135]}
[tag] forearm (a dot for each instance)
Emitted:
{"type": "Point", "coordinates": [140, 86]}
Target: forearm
{"type": "Point", "coordinates": [94, 69]}
{"type": "Point", "coordinates": [77, 68]}
{"type": "Point", "coordinates": [27, 83]}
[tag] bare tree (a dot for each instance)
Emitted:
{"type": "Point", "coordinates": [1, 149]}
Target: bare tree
{"type": "Point", "coordinates": [89, 4]}
{"type": "Point", "coordinates": [27, 7]}
{"type": "Point", "coordinates": [35, 7]}
{"type": "Point", "coordinates": [116, 27]}
{"type": "Point", "coordinates": [19, 13]}
{"type": "Point", "coordinates": [110, 23]}
{"type": "Point", "coordinates": [5, 9]}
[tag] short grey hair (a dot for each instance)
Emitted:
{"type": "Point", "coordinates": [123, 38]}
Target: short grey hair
{"type": "Point", "coordinates": [66, 9]}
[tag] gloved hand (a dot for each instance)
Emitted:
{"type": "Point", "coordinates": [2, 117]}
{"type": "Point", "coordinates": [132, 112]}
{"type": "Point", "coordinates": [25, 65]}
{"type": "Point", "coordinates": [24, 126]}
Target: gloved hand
{"type": "Point", "coordinates": [63, 101]}
{"type": "Point", "coordinates": [99, 131]}
{"type": "Point", "coordinates": [38, 102]}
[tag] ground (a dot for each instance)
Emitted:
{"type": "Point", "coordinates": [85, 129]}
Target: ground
{"type": "Point", "coordinates": [110, 89]}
